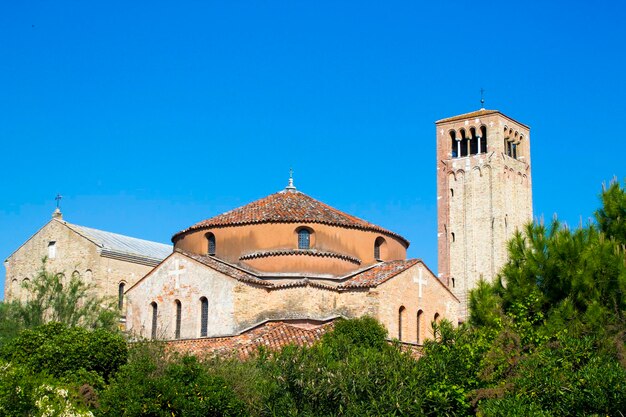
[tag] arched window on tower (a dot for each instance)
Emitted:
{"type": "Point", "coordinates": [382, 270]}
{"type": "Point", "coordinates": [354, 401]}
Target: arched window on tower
{"type": "Point", "coordinates": [204, 316]}
{"type": "Point", "coordinates": [401, 314]}
{"type": "Point", "coordinates": [120, 295]}
{"type": "Point", "coordinates": [155, 311]}
{"type": "Point", "coordinates": [483, 139]}
{"type": "Point", "coordinates": [464, 143]}
{"type": "Point", "coordinates": [179, 309]}
{"type": "Point", "coordinates": [378, 244]}
{"type": "Point", "coordinates": [436, 318]}
{"type": "Point", "coordinates": [419, 326]}
{"type": "Point", "coordinates": [210, 237]}
{"type": "Point", "coordinates": [304, 239]}
{"type": "Point", "coordinates": [454, 145]}
{"type": "Point", "coordinates": [473, 142]}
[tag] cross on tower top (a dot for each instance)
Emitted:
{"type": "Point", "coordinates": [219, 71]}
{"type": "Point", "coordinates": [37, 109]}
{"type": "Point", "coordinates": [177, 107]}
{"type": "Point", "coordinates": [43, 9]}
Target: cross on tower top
{"type": "Point", "coordinates": [58, 200]}
{"type": "Point", "coordinates": [482, 98]}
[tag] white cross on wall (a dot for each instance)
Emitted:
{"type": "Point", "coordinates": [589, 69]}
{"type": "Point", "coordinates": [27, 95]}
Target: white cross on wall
{"type": "Point", "coordinates": [176, 273]}
{"type": "Point", "coordinates": [448, 308]}
{"type": "Point", "coordinates": [420, 281]}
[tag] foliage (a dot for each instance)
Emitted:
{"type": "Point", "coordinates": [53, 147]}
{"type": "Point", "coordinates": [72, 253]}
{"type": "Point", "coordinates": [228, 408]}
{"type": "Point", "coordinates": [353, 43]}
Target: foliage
{"type": "Point", "coordinates": [63, 351]}
{"type": "Point", "coordinates": [164, 386]}
{"type": "Point", "coordinates": [73, 303]}
{"type": "Point", "coordinates": [23, 392]}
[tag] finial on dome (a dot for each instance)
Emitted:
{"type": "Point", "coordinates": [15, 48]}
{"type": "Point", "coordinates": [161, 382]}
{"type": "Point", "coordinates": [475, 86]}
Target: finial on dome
{"type": "Point", "coordinates": [482, 99]}
{"type": "Point", "coordinates": [290, 187]}
{"type": "Point", "coordinates": [56, 214]}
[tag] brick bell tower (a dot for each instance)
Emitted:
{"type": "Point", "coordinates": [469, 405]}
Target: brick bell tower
{"type": "Point", "coordinates": [484, 194]}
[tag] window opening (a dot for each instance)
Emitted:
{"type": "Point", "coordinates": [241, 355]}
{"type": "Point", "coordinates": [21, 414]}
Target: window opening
{"type": "Point", "coordinates": [154, 320]}
{"type": "Point", "coordinates": [211, 243]}
{"type": "Point", "coordinates": [204, 316]}
{"type": "Point", "coordinates": [304, 239]}
{"type": "Point", "coordinates": [483, 139]}
{"type": "Point", "coordinates": [419, 325]}
{"type": "Point", "coordinates": [179, 309]}
{"type": "Point", "coordinates": [377, 245]}
{"type": "Point", "coordinates": [120, 295]}
{"type": "Point", "coordinates": [473, 142]}
{"type": "Point", "coordinates": [52, 250]}
{"type": "Point", "coordinates": [464, 144]}
{"type": "Point", "coordinates": [454, 145]}
{"type": "Point", "coordinates": [400, 317]}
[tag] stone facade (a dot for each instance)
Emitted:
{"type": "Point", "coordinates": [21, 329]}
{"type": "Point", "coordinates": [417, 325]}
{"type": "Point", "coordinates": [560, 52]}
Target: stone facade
{"type": "Point", "coordinates": [68, 251]}
{"type": "Point", "coordinates": [484, 193]}
{"type": "Point", "coordinates": [409, 300]}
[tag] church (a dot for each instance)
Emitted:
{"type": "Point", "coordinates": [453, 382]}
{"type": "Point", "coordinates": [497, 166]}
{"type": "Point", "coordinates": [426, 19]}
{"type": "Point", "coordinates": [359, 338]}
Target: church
{"type": "Point", "coordinates": [281, 269]}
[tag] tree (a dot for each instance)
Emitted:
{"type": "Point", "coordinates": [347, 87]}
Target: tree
{"type": "Point", "coordinates": [49, 299]}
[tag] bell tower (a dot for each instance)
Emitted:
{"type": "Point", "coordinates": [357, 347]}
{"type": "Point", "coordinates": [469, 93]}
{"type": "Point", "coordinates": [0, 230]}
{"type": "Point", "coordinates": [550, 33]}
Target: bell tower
{"type": "Point", "coordinates": [484, 194]}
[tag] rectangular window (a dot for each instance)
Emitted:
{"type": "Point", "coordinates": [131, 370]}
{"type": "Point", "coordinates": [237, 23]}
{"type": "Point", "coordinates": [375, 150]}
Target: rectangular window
{"type": "Point", "coordinates": [52, 250]}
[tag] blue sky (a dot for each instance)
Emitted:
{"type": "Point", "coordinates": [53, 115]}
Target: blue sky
{"type": "Point", "coordinates": [150, 116]}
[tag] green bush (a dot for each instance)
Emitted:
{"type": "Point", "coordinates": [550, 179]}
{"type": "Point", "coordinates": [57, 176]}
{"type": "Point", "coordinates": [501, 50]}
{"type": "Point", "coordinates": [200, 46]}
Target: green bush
{"type": "Point", "coordinates": [150, 384]}
{"type": "Point", "coordinates": [61, 351]}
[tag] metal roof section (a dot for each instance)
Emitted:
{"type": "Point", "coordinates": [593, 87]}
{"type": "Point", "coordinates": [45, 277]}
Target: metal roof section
{"type": "Point", "coordinates": [126, 248]}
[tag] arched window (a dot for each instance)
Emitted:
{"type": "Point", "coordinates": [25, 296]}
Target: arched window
{"type": "Point", "coordinates": [210, 237]}
{"type": "Point", "coordinates": [304, 239]}
{"type": "Point", "coordinates": [453, 236]}
{"type": "Point", "coordinates": [451, 192]}
{"type": "Point", "coordinates": [454, 145]}
{"type": "Point", "coordinates": [179, 309]}
{"type": "Point", "coordinates": [378, 243]}
{"type": "Point", "coordinates": [436, 318]}
{"type": "Point", "coordinates": [483, 139]}
{"type": "Point", "coordinates": [155, 311]}
{"type": "Point", "coordinates": [25, 290]}
{"type": "Point", "coordinates": [401, 314]}
{"type": "Point", "coordinates": [464, 143]}
{"type": "Point", "coordinates": [120, 295]}
{"type": "Point", "coordinates": [204, 316]}
{"type": "Point", "coordinates": [419, 326]}
{"type": "Point", "coordinates": [473, 142]}
{"type": "Point", "coordinates": [15, 288]}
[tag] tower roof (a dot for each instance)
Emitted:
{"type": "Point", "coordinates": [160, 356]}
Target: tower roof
{"type": "Point", "coordinates": [288, 206]}
{"type": "Point", "coordinates": [477, 113]}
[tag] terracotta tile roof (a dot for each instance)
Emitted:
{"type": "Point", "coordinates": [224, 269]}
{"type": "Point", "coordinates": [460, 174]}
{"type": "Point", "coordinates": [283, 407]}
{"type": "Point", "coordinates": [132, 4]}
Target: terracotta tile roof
{"type": "Point", "coordinates": [378, 274]}
{"type": "Point", "coordinates": [271, 335]}
{"type": "Point", "coordinates": [239, 274]}
{"type": "Point", "coordinates": [288, 207]}
{"type": "Point", "coordinates": [370, 277]}
{"type": "Point", "coordinates": [301, 252]}
{"type": "Point", "coordinates": [478, 113]}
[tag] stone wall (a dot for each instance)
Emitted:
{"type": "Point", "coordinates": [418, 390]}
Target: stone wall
{"type": "Point", "coordinates": [74, 255]}
{"type": "Point", "coordinates": [235, 306]}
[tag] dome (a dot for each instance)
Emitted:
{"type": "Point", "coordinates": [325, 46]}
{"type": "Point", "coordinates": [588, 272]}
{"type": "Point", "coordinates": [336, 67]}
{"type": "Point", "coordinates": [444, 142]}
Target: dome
{"type": "Point", "coordinates": [291, 232]}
